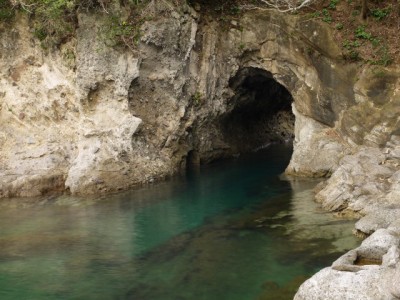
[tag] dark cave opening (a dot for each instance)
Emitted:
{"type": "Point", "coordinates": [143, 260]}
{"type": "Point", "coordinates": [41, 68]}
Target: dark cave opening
{"type": "Point", "coordinates": [259, 113]}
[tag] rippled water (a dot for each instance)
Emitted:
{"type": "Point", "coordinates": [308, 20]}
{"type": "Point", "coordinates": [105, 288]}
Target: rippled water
{"type": "Point", "coordinates": [232, 230]}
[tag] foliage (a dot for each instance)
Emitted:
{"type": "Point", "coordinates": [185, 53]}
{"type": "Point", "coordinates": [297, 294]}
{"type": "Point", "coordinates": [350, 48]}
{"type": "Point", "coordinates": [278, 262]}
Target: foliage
{"type": "Point", "coordinates": [384, 58]}
{"type": "Point", "coordinates": [6, 11]}
{"type": "Point", "coordinates": [353, 55]}
{"type": "Point", "coordinates": [361, 33]}
{"type": "Point", "coordinates": [359, 39]}
{"type": "Point", "coordinates": [326, 17]}
{"type": "Point", "coordinates": [197, 98]}
{"type": "Point", "coordinates": [315, 14]}
{"type": "Point", "coordinates": [380, 57]}
{"type": "Point", "coordinates": [325, 14]}
{"type": "Point", "coordinates": [380, 14]}
{"type": "Point", "coordinates": [350, 44]}
{"type": "Point", "coordinates": [375, 42]}
{"type": "Point", "coordinates": [351, 52]}
{"type": "Point", "coordinates": [235, 10]}
{"type": "Point", "coordinates": [54, 21]}
{"type": "Point", "coordinates": [332, 4]}
{"type": "Point", "coordinates": [339, 26]}
{"type": "Point", "coordinates": [119, 32]}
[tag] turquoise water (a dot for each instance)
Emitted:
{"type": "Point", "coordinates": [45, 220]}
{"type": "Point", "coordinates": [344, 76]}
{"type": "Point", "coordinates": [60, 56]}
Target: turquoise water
{"type": "Point", "coordinates": [232, 230]}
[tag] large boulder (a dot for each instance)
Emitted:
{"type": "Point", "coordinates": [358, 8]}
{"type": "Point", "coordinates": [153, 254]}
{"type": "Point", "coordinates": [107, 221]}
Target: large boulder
{"type": "Point", "coordinates": [368, 272]}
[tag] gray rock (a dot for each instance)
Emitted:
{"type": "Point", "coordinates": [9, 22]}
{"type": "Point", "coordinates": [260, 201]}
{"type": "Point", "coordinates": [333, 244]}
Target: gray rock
{"type": "Point", "coordinates": [367, 272]}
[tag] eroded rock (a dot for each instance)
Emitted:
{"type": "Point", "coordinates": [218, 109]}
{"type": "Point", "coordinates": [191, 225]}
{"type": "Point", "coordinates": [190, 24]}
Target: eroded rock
{"type": "Point", "coordinates": [100, 119]}
{"type": "Point", "coordinates": [365, 183]}
{"type": "Point", "coordinates": [317, 148]}
{"type": "Point", "coordinates": [367, 272]}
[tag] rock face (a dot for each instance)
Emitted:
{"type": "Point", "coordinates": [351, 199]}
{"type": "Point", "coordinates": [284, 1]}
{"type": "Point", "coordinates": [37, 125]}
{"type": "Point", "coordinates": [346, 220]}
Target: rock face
{"type": "Point", "coordinates": [365, 184]}
{"type": "Point", "coordinates": [318, 148]}
{"type": "Point", "coordinates": [63, 127]}
{"type": "Point", "coordinates": [90, 119]}
{"type": "Point", "coordinates": [367, 272]}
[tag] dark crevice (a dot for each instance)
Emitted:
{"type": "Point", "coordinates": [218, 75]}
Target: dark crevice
{"type": "Point", "coordinates": [192, 160]}
{"type": "Point", "coordinates": [260, 112]}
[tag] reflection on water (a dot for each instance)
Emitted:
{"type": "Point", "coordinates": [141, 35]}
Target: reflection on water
{"type": "Point", "coordinates": [232, 231]}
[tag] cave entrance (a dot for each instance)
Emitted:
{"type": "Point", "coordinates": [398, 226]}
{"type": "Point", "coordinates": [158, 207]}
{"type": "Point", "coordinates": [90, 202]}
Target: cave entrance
{"type": "Point", "coordinates": [259, 113]}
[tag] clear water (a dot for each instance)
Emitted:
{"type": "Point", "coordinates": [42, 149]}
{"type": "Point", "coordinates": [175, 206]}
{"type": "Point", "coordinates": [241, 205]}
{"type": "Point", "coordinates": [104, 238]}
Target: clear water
{"type": "Point", "coordinates": [232, 230]}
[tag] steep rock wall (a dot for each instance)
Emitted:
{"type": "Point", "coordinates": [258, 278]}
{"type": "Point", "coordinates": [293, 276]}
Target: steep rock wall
{"type": "Point", "coordinates": [89, 118]}
{"type": "Point", "coordinates": [63, 119]}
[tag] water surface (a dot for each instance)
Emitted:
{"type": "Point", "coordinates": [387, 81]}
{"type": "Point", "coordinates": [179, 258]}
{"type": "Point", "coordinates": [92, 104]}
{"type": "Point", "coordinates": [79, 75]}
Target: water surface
{"type": "Point", "coordinates": [232, 230]}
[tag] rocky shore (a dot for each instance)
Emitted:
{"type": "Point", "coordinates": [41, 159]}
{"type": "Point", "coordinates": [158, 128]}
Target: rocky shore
{"type": "Point", "coordinates": [364, 185]}
{"type": "Point", "coordinates": [362, 164]}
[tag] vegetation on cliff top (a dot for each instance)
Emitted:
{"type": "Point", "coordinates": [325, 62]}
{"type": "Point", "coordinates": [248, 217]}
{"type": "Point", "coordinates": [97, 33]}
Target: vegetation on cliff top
{"type": "Point", "coordinates": [366, 30]}
{"type": "Point", "coordinates": [55, 21]}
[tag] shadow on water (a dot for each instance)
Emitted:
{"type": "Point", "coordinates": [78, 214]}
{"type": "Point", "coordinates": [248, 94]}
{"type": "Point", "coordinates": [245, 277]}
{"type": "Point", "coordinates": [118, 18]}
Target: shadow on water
{"type": "Point", "coordinates": [233, 230]}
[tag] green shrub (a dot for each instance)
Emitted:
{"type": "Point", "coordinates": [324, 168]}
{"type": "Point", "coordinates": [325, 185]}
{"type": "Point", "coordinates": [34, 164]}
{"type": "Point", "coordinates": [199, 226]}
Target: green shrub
{"type": "Point", "coordinates": [326, 17]}
{"type": "Point", "coordinates": [379, 14]}
{"type": "Point", "coordinates": [351, 44]}
{"type": "Point", "coordinates": [375, 42]}
{"type": "Point", "coordinates": [197, 98]}
{"type": "Point", "coordinates": [315, 14]}
{"type": "Point", "coordinates": [40, 33]}
{"type": "Point", "coordinates": [339, 26]}
{"type": "Point", "coordinates": [54, 21]}
{"type": "Point", "coordinates": [384, 58]}
{"type": "Point", "coordinates": [332, 4]}
{"type": "Point", "coordinates": [235, 10]}
{"type": "Point", "coordinates": [121, 33]}
{"type": "Point", "coordinates": [361, 33]}
{"type": "Point", "coordinates": [6, 11]}
{"type": "Point", "coordinates": [354, 55]}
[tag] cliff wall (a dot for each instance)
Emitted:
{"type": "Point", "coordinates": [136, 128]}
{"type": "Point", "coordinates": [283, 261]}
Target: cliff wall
{"type": "Point", "coordinates": [90, 118]}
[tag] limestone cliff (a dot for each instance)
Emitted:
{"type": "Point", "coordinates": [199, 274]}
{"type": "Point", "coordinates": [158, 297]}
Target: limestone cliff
{"type": "Point", "coordinates": [89, 118]}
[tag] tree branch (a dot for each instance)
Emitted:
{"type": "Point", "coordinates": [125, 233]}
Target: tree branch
{"type": "Point", "coordinates": [287, 5]}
